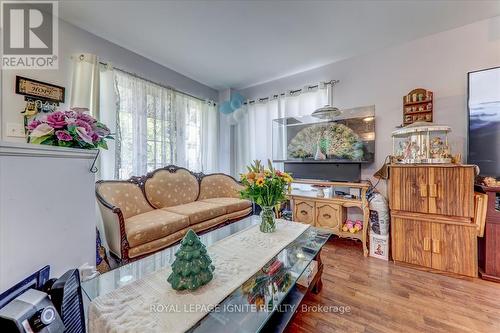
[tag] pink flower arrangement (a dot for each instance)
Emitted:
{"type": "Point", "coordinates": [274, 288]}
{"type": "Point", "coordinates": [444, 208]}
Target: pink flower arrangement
{"type": "Point", "coordinates": [33, 125]}
{"type": "Point", "coordinates": [63, 136]}
{"type": "Point", "coordinates": [56, 120]}
{"type": "Point", "coordinates": [69, 129]}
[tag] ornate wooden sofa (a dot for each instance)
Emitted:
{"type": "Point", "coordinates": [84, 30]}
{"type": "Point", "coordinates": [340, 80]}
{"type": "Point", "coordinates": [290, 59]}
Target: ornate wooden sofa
{"type": "Point", "coordinates": [145, 214]}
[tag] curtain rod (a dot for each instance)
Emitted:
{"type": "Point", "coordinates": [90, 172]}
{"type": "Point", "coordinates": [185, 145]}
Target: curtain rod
{"type": "Point", "coordinates": [291, 92]}
{"type": "Point", "coordinates": [159, 84]}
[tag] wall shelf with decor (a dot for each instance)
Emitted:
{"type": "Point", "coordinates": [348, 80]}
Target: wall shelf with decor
{"type": "Point", "coordinates": [418, 102]}
{"type": "Point", "coordinates": [418, 105]}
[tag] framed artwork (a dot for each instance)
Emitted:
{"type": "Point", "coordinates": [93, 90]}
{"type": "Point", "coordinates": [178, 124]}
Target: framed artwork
{"type": "Point", "coordinates": [39, 90]}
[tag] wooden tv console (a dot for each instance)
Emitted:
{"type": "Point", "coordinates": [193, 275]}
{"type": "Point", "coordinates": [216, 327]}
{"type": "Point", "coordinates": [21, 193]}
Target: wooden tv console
{"type": "Point", "coordinates": [330, 212]}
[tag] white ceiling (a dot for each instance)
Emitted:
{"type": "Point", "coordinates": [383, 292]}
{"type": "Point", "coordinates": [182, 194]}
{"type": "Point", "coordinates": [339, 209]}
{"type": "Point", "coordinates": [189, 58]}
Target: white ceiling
{"type": "Point", "coordinates": [242, 43]}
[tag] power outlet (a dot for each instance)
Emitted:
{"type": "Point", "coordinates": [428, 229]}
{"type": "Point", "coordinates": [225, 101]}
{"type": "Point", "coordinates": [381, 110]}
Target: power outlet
{"type": "Point", "coordinates": [15, 130]}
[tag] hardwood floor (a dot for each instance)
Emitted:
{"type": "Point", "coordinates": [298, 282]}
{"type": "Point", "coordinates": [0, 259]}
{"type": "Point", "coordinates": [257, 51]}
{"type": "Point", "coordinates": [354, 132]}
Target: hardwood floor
{"type": "Point", "coordinates": [384, 297]}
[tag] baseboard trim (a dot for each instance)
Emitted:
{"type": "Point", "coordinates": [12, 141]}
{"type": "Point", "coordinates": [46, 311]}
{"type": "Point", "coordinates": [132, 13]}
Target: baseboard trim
{"type": "Point", "coordinates": [488, 277]}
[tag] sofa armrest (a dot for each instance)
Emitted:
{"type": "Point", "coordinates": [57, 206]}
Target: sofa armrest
{"type": "Point", "coordinates": [126, 195]}
{"type": "Point", "coordinates": [219, 185]}
{"type": "Point", "coordinates": [114, 228]}
{"type": "Point", "coordinates": [238, 187]}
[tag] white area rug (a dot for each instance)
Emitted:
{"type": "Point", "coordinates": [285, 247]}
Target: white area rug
{"type": "Point", "coordinates": [134, 307]}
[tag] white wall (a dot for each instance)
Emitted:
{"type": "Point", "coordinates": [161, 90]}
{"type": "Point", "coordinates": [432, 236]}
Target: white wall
{"type": "Point", "coordinates": [45, 219]}
{"type": "Point", "coordinates": [438, 62]}
{"type": "Point", "coordinates": [75, 40]}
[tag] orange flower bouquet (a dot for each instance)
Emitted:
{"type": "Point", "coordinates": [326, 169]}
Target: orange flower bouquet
{"type": "Point", "coordinates": [267, 188]}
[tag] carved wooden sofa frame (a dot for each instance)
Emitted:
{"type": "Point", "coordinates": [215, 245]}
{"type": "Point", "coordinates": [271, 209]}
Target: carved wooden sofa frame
{"type": "Point", "coordinates": [140, 181]}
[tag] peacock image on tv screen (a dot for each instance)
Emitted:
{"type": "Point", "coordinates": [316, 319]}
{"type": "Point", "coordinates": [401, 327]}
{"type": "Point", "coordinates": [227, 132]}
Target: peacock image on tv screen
{"type": "Point", "coordinates": [348, 137]}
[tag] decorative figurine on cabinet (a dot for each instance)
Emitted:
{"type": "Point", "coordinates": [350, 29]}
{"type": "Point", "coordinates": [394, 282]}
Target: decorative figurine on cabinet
{"type": "Point", "coordinates": [438, 148]}
{"type": "Point", "coordinates": [421, 143]}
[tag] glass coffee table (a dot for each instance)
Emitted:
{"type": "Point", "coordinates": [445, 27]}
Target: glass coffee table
{"type": "Point", "coordinates": [265, 302]}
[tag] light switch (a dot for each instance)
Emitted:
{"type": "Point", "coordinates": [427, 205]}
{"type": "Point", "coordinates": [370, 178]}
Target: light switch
{"type": "Point", "coordinates": [15, 130]}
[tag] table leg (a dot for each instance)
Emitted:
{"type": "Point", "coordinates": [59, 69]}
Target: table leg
{"type": "Point", "coordinates": [366, 222]}
{"type": "Point", "coordinates": [318, 285]}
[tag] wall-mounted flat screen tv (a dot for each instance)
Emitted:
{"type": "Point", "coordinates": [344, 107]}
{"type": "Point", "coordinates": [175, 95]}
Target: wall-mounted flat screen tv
{"type": "Point", "coordinates": [484, 121]}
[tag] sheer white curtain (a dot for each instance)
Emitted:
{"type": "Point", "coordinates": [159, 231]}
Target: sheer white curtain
{"type": "Point", "coordinates": [157, 126]}
{"type": "Point", "coordinates": [303, 104]}
{"type": "Point", "coordinates": [107, 104]}
{"type": "Point", "coordinates": [197, 133]}
{"type": "Point", "coordinates": [146, 133]}
{"type": "Point", "coordinates": [209, 138]}
{"type": "Point", "coordinates": [254, 132]}
{"type": "Point", "coordinates": [188, 131]}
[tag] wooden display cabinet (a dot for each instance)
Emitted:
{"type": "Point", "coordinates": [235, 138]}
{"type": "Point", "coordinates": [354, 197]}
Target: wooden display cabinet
{"type": "Point", "coordinates": [432, 207]}
{"type": "Point", "coordinates": [437, 243]}
{"type": "Point", "coordinates": [331, 212]}
{"type": "Point", "coordinates": [489, 246]}
{"type": "Point", "coordinates": [441, 189]}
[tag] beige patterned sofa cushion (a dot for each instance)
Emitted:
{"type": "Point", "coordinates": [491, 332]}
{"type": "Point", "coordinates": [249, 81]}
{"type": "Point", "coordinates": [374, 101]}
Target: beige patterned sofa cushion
{"type": "Point", "coordinates": [126, 196]}
{"type": "Point", "coordinates": [217, 186]}
{"type": "Point", "coordinates": [166, 189]}
{"type": "Point", "coordinates": [170, 239]}
{"type": "Point", "coordinates": [231, 204]}
{"type": "Point", "coordinates": [147, 227]}
{"type": "Point", "coordinates": [198, 211]}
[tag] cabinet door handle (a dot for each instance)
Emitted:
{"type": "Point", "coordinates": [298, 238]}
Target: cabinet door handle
{"type": "Point", "coordinates": [327, 216]}
{"type": "Point", "coordinates": [423, 190]}
{"type": "Point", "coordinates": [427, 244]}
{"type": "Point", "coordinates": [436, 246]}
{"type": "Point", "coordinates": [433, 190]}
{"type": "Point", "coordinates": [303, 212]}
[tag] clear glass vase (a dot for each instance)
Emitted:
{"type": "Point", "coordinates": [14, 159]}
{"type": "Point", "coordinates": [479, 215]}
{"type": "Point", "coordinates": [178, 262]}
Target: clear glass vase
{"type": "Point", "coordinates": [268, 219]}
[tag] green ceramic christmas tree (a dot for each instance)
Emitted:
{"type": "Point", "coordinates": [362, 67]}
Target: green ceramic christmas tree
{"type": "Point", "coordinates": [192, 267]}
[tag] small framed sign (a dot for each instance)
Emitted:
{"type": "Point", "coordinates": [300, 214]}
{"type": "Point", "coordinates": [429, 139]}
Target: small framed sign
{"type": "Point", "coordinates": [39, 90]}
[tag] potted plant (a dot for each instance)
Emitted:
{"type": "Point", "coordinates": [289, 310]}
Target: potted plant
{"type": "Point", "coordinates": [267, 188]}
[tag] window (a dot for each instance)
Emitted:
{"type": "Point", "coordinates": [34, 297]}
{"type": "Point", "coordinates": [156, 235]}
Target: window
{"type": "Point", "coordinates": [157, 126]}
{"type": "Point", "coordinates": [193, 136]}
